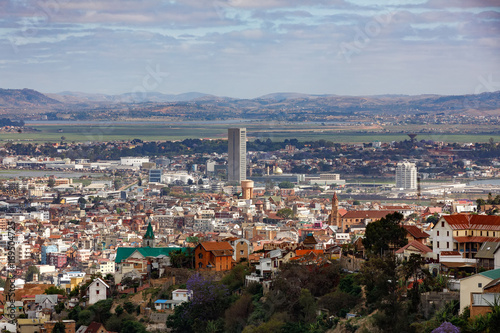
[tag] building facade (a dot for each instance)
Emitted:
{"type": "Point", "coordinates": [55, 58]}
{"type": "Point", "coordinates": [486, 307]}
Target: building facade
{"type": "Point", "coordinates": [406, 176]}
{"type": "Point", "coordinates": [237, 151]}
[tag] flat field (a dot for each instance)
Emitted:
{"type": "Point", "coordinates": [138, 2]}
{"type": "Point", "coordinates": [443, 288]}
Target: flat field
{"type": "Point", "coordinates": [275, 131]}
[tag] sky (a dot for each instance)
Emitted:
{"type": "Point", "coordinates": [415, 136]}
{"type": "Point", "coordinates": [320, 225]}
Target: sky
{"type": "Point", "coordinates": [249, 48]}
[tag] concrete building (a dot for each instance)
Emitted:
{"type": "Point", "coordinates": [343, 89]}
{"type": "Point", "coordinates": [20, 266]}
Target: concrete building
{"type": "Point", "coordinates": [97, 291]}
{"type": "Point", "coordinates": [406, 176]}
{"type": "Point", "coordinates": [155, 175]}
{"type": "Point", "coordinates": [237, 151]}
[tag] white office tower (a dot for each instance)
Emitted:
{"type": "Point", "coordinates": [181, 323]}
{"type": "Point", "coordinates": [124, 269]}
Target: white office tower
{"type": "Point", "coordinates": [406, 175]}
{"type": "Point", "coordinates": [237, 154]}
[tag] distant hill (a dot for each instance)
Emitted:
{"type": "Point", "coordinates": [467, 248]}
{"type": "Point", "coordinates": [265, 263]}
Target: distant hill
{"type": "Point", "coordinates": [196, 105]}
{"type": "Point", "coordinates": [79, 97]}
{"type": "Point", "coordinates": [20, 99]}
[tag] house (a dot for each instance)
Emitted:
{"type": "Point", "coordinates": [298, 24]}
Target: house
{"type": "Point", "coordinates": [179, 296]}
{"type": "Point", "coordinates": [488, 255]}
{"type": "Point", "coordinates": [46, 301]}
{"type": "Point", "coordinates": [414, 233]}
{"type": "Point", "coordinates": [475, 284]}
{"type": "Point", "coordinates": [465, 233]}
{"type": "Point", "coordinates": [97, 291]}
{"type": "Point", "coordinates": [363, 216]}
{"type": "Point", "coordinates": [94, 327]}
{"type": "Point", "coordinates": [214, 256]}
{"type": "Point", "coordinates": [415, 247]}
{"type": "Point", "coordinates": [481, 303]}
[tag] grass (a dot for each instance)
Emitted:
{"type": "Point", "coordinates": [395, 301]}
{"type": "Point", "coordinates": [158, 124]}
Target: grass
{"type": "Point", "coordinates": [263, 131]}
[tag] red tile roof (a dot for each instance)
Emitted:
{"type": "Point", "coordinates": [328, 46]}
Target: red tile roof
{"type": "Point", "coordinates": [476, 239]}
{"type": "Point", "coordinates": [415, 244]}
{"type": "Point", "coordinates": [415, 231]}
{"type": "Point", "coordinates": [367, 214]}
{"type": "Point", "coordinates": [476, 222]}
{"type": "Point", "coordinates": [212, 246]}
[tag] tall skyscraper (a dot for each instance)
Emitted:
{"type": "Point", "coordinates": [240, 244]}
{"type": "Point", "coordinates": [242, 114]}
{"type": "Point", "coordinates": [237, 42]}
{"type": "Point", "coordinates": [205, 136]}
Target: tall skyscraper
{"type": "Point", "coordinates": [406, 175]}
{"type": "Point", "coordinates": [237, 154]}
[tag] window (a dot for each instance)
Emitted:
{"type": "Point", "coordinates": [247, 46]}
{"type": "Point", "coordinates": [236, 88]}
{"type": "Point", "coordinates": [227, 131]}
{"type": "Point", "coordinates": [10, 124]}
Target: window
{"type": "Point", "coordinates": [97, 292]}
{"type": "Point", "coordinates": [200, 265]}
{"type": "Point", "coordinates": [447, 244]}
{"type": "Point", "coordinates": [200, 255]}
{"type": "Point", "coordinates": [437, 244]}
{"type": "Point", "coordinates": [447, 233]}
{"type": "Point", "coordinates": [438, 232]}
{"type": "Point", "coordinates": [442, 224]}
{"type": "Point", "coordinates": [479, 285]}
{"type": "Point", "coordinates": [97, 284]}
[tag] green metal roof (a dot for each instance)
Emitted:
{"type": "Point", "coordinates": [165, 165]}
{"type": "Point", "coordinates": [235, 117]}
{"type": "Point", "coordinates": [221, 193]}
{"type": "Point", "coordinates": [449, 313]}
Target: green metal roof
{"type": "Point", "coordinates": [149, 233]}
{"type": "Point", "coordinates": [125, 252]}
{"type": "Point", "coordinates": [493, 274]}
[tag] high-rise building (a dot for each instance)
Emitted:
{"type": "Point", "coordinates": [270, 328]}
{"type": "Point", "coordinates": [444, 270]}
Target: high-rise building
{"type": "Point", "coordinates": [237, 154]}
{"type": "Point", "coordinates": [406, 175]}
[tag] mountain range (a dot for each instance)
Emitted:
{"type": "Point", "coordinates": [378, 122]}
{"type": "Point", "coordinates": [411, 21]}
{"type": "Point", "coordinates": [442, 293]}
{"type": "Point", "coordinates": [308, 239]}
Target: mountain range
{"type": "Point", "coordinates": [195, 104]}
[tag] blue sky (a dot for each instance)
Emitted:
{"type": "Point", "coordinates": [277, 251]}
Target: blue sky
{"type": "Point", "coordinates": [248, 48]}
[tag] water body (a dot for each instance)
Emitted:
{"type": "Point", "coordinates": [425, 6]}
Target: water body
{"type": "Point", "coordinates": [485, 182]}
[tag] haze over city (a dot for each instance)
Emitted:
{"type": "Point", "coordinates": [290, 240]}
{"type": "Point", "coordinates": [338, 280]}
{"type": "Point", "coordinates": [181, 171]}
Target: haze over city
{"type": "Point", "coordinates": [246, 49]}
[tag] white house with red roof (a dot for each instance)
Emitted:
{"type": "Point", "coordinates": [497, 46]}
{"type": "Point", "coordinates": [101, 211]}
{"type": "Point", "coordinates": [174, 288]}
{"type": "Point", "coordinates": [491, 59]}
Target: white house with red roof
{"type": "Point", "coordinates": [464, 233]}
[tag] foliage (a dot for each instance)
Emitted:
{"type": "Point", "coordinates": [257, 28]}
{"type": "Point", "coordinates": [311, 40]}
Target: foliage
{"type": "Point", "coordinates": [59, 327]}
{"type": "Point", "coordinates": [52, 290]}
{"type": "Point", "coordinates": [286, 184]}
{"type": "Point", "coordinates": [210, 301]}
{"type": "Point", "coordinates": [237, 314]}
{"type": "Point", "coordinates": [338, 303]}
{"type": "Point", "coordinates": [446, 327]}
{"type": "Point", "coordinates": [235, 279]}
{"type": "Point", "coordinates": [385, 234]}
{"type": "Point", "coordinates": [180, 259]}
{"type": "Point", "coordinates": [129, 307]}
{"type": "Point", "coordinates": [119, 310]}
{"type": "Point", "coordinates": [102, 310]}
{"type": "Point", "coordinates": [349, 284]}
{"type": "Point", "coordinates": [59, 307]}
{"type": "Point", "coordinates": [130, 326]}
{"type": "Point", "coordinates": [85, 317]}
{"type": "Point", "coordinates": [285, 213]}
{"type": "Point", "coordinates": [32, 270]}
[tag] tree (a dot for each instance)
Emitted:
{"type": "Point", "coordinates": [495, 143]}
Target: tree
{"type": "Point", "coordinates": [210, 301]}
{"type": "Point", "coordinates": [286, 184]}
{"type": "Point", "coordinates": [285, 213]}
{"type": "Point", "coordinates": [131, 326]}
{"type": "Point", "coordinates": [52, 290]}
{"type": "Point", "coordinates": [59, 327]}
{"type": "Point", "coordinates": [129, 307]}
{"type": "Point", "coordinates": [32, 270]}
{"type": "Point", "coordinates": [385, 234]}
{"type": "Point", "coordinates": [52, 182]}
{"type": "Point", "coordinates": [59, 307]}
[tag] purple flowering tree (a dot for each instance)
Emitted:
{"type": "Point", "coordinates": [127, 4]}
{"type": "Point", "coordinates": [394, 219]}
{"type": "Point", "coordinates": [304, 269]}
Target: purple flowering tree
{"type": "Point", "coordinates": [209, 302]}
{"type": "Point", "coordinates": [446, 327]}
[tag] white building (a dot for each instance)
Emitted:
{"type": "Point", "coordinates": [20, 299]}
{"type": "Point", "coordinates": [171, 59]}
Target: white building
{"type": "Point", "coordinates": [107, 267]}
{"type": "Point", "coordinates": [97, 291]}
{"type": "Point", "coordinates": [134, 161]}
{"type": "Point", "coordinates": [442, 237]}
{"type": "Point", "coordinates": [406, 175]}
{"type": "Point", "coordinates": [23, 252]}
{"type": "Point", "coordinates": [237, 154]}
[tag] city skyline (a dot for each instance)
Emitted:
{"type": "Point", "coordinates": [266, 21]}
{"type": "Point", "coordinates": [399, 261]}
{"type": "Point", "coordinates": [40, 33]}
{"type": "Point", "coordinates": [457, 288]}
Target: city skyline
{"type": "Point", "coordinates": [248, 49]}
